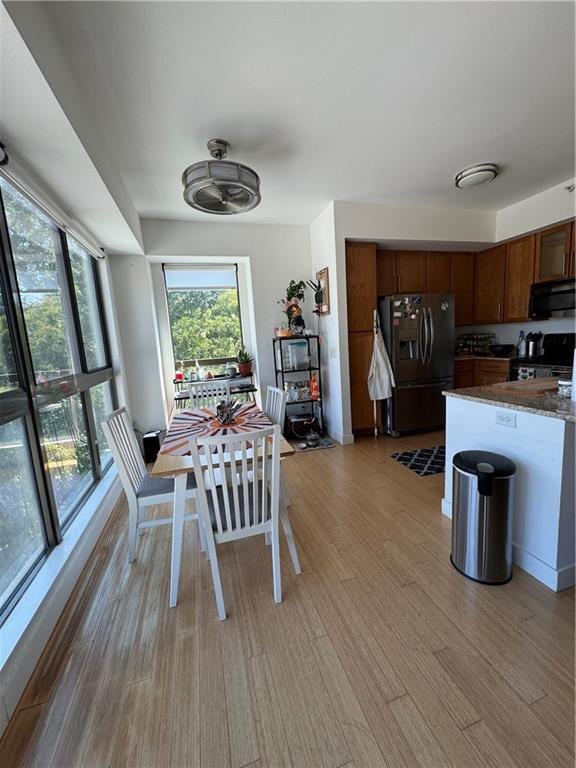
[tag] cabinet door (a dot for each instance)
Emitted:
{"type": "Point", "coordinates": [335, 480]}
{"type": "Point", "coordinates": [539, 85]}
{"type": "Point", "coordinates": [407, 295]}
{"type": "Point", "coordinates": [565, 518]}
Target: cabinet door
{"type": "Point", "coordinates": [437, 272]}
{"type": "Point", "coordinates": [553, 253]}
{"type": "Point", "coordinates": [489, 292]}
{"type": "Point", "coordinates": [464, 373]}
{"type": "Point", "coordinates": [492, 372]}
{"type": "Point", "coordinates": [385, 273]}
{"type": "Point", "coordinates": [462, 286]}
{"type": "Point", "coordinates": [361, 285]}
{"type": "Point", "coordinates": [360, 346]}
{"type": "Point", "coordinates": [411, 271]}
{"type": "Point", "coordinates": [519, 278]}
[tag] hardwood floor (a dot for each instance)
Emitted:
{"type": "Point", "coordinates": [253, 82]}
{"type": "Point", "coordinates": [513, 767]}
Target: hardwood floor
{"type": "Point", "coordinates": [380, 654]}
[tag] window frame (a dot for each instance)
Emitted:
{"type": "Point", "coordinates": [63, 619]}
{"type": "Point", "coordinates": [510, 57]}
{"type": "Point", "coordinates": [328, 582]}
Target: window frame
{"type": "Point", "coordinates": [26, 400]}
{"type": "Point", "coordinates": [202, 360]}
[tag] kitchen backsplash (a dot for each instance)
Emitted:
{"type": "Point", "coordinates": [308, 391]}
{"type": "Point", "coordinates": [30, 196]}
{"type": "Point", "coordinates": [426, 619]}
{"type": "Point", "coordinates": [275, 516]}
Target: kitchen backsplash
{"type": "Point", "coordinates": [507, 333]}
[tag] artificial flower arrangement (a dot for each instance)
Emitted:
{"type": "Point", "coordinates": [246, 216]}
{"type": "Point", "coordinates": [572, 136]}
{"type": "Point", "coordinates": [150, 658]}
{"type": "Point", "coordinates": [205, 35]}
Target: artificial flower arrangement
{"type": "Point", "coordinates": [291, 305]}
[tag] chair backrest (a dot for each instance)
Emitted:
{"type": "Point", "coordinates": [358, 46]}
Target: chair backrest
{"type": "Point", "coordinates": [122, 441]}
{"type": "Point", "coordinates": [276, 405]}
{"type": "Point", "coordinates": [241, 474]}
{"type": "Point", "coordinates": [208, 392]}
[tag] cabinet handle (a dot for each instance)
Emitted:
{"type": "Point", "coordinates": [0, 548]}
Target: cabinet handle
{"type": "Point", "coordinates": [499, 311]}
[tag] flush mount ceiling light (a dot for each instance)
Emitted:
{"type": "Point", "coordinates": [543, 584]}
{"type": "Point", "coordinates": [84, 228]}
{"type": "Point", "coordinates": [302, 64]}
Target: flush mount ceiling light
{"type": "Point", "coordinates": [476, 174]}
{"type": "Point", "coordinates": [220, 186]}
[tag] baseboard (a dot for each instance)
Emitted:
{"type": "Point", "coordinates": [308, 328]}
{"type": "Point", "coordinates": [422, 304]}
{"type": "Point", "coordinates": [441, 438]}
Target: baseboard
{"type": "Point", "coordinates": [555, 580]}
{"type": "Point", "coordinates": [25, 633]}
{"type": "Point", "coordinates": [447, 508]}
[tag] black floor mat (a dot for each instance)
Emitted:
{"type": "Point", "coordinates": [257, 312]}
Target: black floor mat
{"type": "Point", "coordinates": [424, 461]}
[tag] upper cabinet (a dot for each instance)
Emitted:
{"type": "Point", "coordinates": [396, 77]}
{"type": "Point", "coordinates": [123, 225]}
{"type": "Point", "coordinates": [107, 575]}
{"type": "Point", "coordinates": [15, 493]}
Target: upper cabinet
{"type": "Point", "coordinates": [411, 271]}
{"type": "Point", "coordinates": [462, 267]}
{"type": "Point", "coordinates": [520, 256]}
{"type": "Point", "coordinates": [386, 283]}
{"type": "Point", "coordinates": [554, 259]}
{"type": "Point", "coordinates": [361, 285]}
{"type": "Point", "coordinates": [438, 272]}
{"type": "Point", "coordinates": [489, 293]}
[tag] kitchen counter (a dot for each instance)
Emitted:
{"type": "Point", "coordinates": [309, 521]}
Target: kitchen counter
{"type": "Point", "coordinates": [538, 396]}
{"type": "Point", "coordinates": [526, 422]}
{"type": "Point", "coordinates": [483, 357]}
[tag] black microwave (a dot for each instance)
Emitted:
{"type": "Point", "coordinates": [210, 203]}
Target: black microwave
{"type": "Point", "coordinates": [557, 297]}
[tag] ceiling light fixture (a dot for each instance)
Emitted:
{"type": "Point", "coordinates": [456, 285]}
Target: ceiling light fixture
{"type": "Point", "coordinates": [476, 174]}
{"type": "Point", "coordinates": [220, 186]}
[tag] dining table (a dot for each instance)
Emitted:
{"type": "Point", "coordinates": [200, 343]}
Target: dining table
{"type": "Point", "coordinates": [174, 459]}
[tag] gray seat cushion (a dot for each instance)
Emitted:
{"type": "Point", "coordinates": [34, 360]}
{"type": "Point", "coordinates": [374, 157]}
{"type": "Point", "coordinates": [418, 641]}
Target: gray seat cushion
{"type": "Point", "coordinates": [220, 493]}
{"type": "Point", "coordinates": [155, 486]}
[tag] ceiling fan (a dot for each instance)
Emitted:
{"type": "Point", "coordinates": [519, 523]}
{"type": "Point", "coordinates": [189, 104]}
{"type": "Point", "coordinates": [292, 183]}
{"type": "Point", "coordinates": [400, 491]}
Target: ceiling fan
{"type": "Point", "coordinates": [220, 186]}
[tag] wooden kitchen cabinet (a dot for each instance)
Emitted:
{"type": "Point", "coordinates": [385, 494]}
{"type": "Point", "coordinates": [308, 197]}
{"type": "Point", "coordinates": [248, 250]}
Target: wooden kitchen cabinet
{"type": "Point", "coordinates": [411, 271]}
{"type": "Point", "coordinates": [491, 372]}
{"type": "Point", "coordinates": [572, 262]}
{"type": "Point", "coordinates": [464, 373]}
{"type": "Point", "coordinates": [520, 255]}
{"type": "Point", "coordinates": [361, 285]}
{"type": "Point", "coordinates": [462, 266]}
{"type": "Point", "coordinates": [438, 272]}
{"type": "Point", "coordinates": [386, 283]}
{"type": "Point", "coordinates": [553, 253]}
{"type": "Point", "coordinates": [489, 291]}
{"type": "Point", "coordinates": [360, 346]}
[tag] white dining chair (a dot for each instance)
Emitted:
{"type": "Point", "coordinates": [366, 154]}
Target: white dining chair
{"type": "Point", "coordinates": [275, 407]}
{"type": "Point", "coordinates": [141, 489]}
{"type": "Point", "coordinates": [247, 502]}
{"type": "Point", "coordinates": [208, 392]}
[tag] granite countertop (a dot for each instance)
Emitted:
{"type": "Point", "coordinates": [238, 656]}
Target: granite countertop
{"type": "Point", "coordinates": [533, 396]}
{"type": "Point", "coordinates": [482, 357]}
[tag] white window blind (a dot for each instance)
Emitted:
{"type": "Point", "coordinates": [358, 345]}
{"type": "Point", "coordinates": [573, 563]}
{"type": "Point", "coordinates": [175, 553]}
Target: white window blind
{"type": "Point", "coordinates": [201, 277]}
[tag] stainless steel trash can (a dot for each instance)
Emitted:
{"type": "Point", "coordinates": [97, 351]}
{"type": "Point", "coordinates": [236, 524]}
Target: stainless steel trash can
{"type": "Point", "coordinates": [482, 500]}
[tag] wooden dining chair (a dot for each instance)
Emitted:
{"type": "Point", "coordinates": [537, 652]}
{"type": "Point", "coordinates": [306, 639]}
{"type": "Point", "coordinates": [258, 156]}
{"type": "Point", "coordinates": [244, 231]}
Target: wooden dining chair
{"type": "Point", "coordinates": [247, 502]}
{"type": "Point", "coordinates": [275, 407]}
{"type": "Point", "coordinates": [141, 489]}
{"type": "Point", "coordinates": [209, 392]}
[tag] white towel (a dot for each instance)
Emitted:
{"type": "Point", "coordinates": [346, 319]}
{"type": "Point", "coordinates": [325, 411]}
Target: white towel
{"type": "Point", "coordinates": [380, 375]}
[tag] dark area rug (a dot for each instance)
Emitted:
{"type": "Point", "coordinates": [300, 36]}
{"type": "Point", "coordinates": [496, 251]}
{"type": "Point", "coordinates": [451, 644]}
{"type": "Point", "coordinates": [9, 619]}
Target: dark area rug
{"type": "Point", "coordinates": [424, 461]}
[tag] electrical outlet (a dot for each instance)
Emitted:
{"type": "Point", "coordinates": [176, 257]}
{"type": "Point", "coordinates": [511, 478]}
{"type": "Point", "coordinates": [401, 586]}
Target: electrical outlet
{"type": "Point", "coordinates": [506, 419]}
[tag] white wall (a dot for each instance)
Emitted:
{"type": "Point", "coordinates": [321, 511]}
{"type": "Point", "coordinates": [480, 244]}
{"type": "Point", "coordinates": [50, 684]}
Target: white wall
{"type": "Point", "coordinates": [323, 254]}
{"type": "Point", "coordinates": [548, 207]}
{"type": "Point", "coordinates": [138, 331]}
{"type": "Point", "coordinates": [273, 255]}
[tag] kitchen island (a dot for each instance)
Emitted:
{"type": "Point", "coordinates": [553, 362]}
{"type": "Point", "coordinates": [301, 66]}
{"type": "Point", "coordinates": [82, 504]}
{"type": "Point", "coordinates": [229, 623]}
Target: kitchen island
{"type": "Point", "coordinates": [527, 422]}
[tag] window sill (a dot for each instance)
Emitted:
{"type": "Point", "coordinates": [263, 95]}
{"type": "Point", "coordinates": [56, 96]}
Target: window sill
{"type": "Point", "coordinates": [27, 629]}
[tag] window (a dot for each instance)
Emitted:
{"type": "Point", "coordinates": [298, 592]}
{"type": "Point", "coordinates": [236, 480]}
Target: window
{"type": "Point", "coordinates": [36, 248]}
{"type": "Point", "coordinates": [88, 306]}
{"type": "Point", "coordinates": [102, 404]}
{"type": "Point", "coordinates": [56, 386]}
{"type": "Point", "coordinates": [67, 455]}
{"type": "Point", "coordinates": [204, 313]}
{"type": "Point", "coordinates": [21, 538]}
{"type": "Point", "coordinates": [8, 374]}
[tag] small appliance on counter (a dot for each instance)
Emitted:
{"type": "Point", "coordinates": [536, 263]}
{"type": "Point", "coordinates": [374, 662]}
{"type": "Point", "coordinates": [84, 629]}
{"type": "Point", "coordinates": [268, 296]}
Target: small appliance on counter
{"type": "Point", "coordinates": [532, 344]}
{"type": "Point", "coordinates": [555, 361]}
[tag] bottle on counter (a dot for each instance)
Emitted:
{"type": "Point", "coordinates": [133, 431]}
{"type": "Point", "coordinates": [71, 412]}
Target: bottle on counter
{"type": "Point", "coordinates": [521, 345]}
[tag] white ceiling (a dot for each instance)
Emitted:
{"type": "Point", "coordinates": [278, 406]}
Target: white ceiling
{"type": "Point", "coordinates": [378, 102]}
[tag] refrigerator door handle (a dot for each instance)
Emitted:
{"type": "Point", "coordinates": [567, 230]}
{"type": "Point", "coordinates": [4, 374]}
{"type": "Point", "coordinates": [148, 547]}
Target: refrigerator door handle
{"type": "Point", "coordinates": [431, 323]}
{"type": "Point", "coordinates": [422, 337]}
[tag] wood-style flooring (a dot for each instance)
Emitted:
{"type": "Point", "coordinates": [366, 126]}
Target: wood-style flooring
{"type": "Point", "coordinates": [380, 654]}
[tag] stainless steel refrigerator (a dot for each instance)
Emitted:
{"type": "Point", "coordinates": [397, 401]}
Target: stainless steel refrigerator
{"type": "Point", "coordinates": [419, 335]}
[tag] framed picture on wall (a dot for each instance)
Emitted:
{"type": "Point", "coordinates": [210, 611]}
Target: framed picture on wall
{"type": "Point", "coordinates": [322, 278]}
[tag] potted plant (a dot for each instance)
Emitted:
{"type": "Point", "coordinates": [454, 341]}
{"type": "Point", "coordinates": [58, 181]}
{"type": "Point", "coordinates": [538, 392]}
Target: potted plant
{"type": "Point", "coordinates": [244, 362]}
{"type": "Point", "coordinates": [291, 305]}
